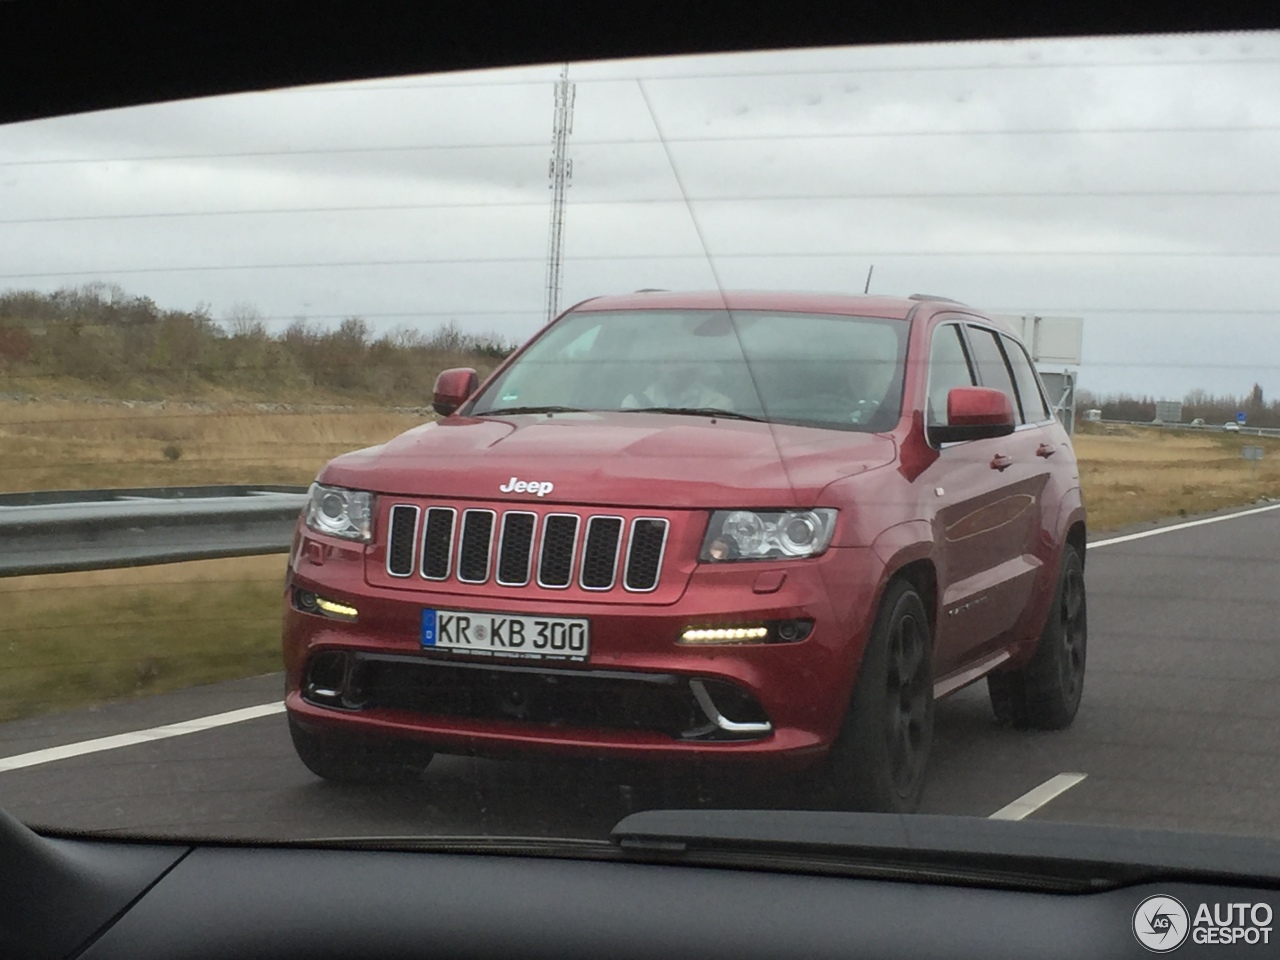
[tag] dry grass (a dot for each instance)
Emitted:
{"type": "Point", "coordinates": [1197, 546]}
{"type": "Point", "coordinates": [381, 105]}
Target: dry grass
{"type": "Point", "coordinates": [80, 638]}
{"type": "Point", "coordinates": [77, 445]}
{"type": "Point", "coordinates": [1139, 474]}
{"type": "Point", "coordinates": [1130, 475]}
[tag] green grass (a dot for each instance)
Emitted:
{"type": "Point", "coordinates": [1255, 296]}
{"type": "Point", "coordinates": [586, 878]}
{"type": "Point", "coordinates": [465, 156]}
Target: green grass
{"type": "Point", "coordinates": [73, 640]}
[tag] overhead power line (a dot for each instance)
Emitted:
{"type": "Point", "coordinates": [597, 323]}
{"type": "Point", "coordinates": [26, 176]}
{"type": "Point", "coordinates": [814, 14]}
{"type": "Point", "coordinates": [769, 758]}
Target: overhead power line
{"type": "Point", "coordinates": [640, 257]}
{"type": "Point", "coordinates": [653, 201]}
{"type": "Point", "coordinates": [792, 136]}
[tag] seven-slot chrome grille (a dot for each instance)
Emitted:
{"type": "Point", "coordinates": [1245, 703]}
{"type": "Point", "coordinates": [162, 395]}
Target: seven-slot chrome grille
{"type": "Point", "coordinates": [514, 548]}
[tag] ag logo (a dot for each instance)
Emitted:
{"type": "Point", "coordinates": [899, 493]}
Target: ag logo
{"type": "Point", "coordinates": [1161, 924]}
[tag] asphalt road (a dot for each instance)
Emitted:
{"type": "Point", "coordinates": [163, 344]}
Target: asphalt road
{"type": "Point", "coordinates": [1179, 728]}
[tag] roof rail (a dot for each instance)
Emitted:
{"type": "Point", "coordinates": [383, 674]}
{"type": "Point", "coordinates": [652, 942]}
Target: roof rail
{"type": "Point", "coordinates": [653, 290]}
{"type": "Point", "coordinates": [929, 296]}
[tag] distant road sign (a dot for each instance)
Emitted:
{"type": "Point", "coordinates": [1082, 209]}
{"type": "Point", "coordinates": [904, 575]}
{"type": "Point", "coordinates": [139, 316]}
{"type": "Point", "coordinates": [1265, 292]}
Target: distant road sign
{"type": "Point", "coordinates": [1240, 417]}
{"type": "Point", "coordinates": [1062, 395]}
{"type": "Point", "coordinates": [1251, 453]}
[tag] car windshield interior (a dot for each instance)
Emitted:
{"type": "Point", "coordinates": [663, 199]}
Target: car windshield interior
{"type": "Point", "coordinates": [378, 458]}
{"type": "Point", "coordinates": [833, 489]}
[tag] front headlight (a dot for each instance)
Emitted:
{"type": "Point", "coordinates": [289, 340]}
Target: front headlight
{"type": "Point", "coordinates": [756, 535]}
{"type": "Point", "coordinates": [340, 513]}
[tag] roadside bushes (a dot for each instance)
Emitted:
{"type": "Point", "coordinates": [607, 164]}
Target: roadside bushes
{"type": "Point", "coordinates": [100, 334]}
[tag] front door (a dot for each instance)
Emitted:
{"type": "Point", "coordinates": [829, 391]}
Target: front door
{"type": "Point", "coordinates": [986, 508]}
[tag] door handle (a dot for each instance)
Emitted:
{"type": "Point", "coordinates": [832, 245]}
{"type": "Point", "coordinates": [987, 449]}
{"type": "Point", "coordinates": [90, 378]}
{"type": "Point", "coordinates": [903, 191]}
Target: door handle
{"type": "Point", "coordinates": [1000, 462]}
{"type": "Point", "coordinates": [1046, 450]}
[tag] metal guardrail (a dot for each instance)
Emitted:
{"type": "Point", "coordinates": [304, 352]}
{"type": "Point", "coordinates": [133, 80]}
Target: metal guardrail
{"type": "Point", "coordinates": [62, 531]}
{"type": "Point", "coordinates": [1202, 427]}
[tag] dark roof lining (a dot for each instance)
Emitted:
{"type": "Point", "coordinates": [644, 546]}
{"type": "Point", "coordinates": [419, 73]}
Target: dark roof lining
{"type": "Point", "coordinates": [70, 56]}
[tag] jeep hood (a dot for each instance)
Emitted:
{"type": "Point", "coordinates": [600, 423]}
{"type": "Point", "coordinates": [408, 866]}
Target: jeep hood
{"type": "Point", "coordinates": [623, 459]}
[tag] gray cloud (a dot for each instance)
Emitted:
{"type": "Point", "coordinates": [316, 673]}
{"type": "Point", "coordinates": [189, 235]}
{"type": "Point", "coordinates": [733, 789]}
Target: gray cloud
{"type": "Point", "coordinates": [995, 173]}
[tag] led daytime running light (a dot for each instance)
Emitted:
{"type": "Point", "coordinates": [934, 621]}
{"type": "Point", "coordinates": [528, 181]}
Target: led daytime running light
{"type": "Point", "coordinates": [721, 634]}
{"type": "Point", "coordinates": [336, 609]}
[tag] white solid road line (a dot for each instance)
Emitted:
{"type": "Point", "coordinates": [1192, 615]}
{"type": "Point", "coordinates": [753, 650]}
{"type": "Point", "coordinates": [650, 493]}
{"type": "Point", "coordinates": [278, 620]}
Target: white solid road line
{"type": "Point", "coordinates": [1181, 526]}
{"type": "Point", "coordinates": [51, 754]}
{"type": "Point", "coordinates": [1033, 800]}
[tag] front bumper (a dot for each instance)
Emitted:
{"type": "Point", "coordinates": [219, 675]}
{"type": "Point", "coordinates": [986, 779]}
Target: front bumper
{"type": "Point", "coordinates": [640, 696]}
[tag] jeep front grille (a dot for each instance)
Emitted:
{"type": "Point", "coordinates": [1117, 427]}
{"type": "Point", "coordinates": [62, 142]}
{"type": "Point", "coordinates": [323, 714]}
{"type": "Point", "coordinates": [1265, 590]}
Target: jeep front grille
{"type": "Point", "coordinates": [437, 544]}
{"type": "Point", "coordinates": [600, 554]}
{"type": "Point", "coordinates": [512, 548]}
{"type": "Point", "coordinates": [559, 544]}
{"type": "Point", "coordinates": [477, 544]}
{"type": "Point", "coordinates": [404, 530]}
{"type": "Point", "coordinates": [515, 548]}
{"type": "Point", "coordinates": [644, 557]}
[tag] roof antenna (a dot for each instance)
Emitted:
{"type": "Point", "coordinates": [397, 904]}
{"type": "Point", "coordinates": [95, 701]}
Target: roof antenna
{"type": "Point", "coordinates": [867, 287]}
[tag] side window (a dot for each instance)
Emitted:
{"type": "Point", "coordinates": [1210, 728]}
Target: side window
{"type": "Point", "coordinates": [948, 368]}
{"type": "Point", "coordinates": [993, 370]}
{"type": "Point", "coordinates": [1034, 408]}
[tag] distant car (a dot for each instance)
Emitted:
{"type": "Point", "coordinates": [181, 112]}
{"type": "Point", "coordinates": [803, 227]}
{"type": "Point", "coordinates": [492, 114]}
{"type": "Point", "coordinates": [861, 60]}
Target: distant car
{"type": "Point", "coordinates": [1231, 426]}
{"type": "Point", "coordinates": [1198, 422]}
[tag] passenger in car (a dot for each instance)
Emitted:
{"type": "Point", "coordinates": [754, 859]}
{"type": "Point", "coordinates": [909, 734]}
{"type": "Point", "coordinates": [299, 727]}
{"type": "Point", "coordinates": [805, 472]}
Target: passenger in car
{"type": "Point", "coordinates": [680, 384]}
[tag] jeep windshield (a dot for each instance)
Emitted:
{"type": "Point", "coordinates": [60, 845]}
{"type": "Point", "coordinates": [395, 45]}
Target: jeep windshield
{"type": "Point", "coordinates": [821, 370]}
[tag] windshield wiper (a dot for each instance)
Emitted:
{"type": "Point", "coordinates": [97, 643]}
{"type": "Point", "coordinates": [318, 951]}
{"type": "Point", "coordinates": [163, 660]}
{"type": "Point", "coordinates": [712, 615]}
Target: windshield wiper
{"type": "Point", "coordinates": [697, 412]}
{"type": "Point", "coordinates": [501, 845]}
{"type": "Point", "coordinates": [514, 410]}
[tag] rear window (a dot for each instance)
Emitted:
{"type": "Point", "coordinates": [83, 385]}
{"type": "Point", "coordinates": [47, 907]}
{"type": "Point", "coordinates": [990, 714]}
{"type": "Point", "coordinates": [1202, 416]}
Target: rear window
{"type": "Point", "coordinates": [1030, 396]}
{"type": "Point", "coordinates": [993, 371]}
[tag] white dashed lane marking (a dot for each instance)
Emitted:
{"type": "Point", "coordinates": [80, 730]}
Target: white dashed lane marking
{"type": "Point", "coordinates": [1033, 800]}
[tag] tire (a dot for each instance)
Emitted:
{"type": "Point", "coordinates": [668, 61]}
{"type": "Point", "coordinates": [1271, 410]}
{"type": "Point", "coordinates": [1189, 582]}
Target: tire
{"type": "Point", "coordinates": [880, 756]}
{"type": "Point", "coordinates": [1045, 694]}
{"type": "Point", "coordinates": [347, 759]}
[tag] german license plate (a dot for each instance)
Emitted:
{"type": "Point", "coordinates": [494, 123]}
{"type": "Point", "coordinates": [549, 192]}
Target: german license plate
{"type": "Point", "coordinates": [505, 635]}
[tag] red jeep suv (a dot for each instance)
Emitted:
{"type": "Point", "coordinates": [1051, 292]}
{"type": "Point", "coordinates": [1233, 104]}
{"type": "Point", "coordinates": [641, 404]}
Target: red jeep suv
{"type": "Point", "coordinates": [745, 528]}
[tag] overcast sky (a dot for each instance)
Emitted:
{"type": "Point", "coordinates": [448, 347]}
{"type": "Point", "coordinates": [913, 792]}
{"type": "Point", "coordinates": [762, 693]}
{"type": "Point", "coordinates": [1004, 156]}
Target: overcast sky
{"type": "Point", "coordinates": [1132, 182]}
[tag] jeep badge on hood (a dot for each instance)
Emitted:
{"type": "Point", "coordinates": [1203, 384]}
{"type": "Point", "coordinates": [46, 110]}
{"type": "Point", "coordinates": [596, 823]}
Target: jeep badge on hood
{"type": "Point", "coordinates": [541, 488]}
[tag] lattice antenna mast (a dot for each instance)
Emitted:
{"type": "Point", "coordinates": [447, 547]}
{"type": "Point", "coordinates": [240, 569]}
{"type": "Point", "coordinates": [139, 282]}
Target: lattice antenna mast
{"type": "Point", "coordinates": [561, 175]}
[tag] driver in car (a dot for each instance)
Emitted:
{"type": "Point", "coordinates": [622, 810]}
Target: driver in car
{"type": "Point", "coordinates": [680, 384]}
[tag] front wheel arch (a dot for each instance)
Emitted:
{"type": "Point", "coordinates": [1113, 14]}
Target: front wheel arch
{"type": "Point", "coordinates": [861, 770]}
{"type": "Point", "coordinates": [922, 576]}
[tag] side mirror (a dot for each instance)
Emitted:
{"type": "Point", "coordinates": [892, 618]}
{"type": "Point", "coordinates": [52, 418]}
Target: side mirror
{"type": "Point", "coordinates": [974, 413]}
{"type": "Point", "coordinates": [452, 389]}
